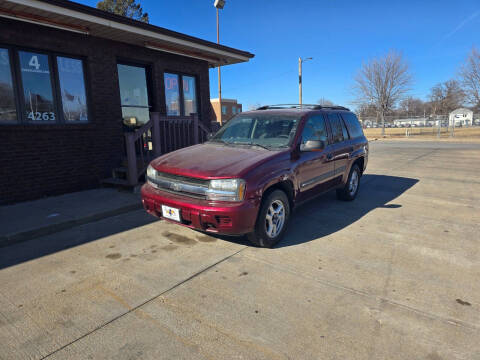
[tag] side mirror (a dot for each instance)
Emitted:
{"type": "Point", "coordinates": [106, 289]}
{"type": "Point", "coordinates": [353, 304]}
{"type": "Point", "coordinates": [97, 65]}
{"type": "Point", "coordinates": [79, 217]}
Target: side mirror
{"type": "Point", "coordinates": [313, 145]}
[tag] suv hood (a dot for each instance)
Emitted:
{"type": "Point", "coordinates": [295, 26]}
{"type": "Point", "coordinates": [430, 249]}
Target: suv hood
{"type": "Point", "coordinates": [212, 160]}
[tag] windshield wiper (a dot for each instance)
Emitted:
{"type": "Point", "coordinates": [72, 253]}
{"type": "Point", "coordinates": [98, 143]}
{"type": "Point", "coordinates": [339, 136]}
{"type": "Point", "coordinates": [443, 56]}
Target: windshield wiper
{"type": "Point", "coordinates": [250, 144]}
{"type": "Point", "coordinates": [262, 146]}
{"type": "Point", "coordinates": [219, 141]}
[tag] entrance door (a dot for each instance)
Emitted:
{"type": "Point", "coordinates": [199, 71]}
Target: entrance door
{"type": "Point", "coordinates": [133, 95]}
{"type": "Point", "coordinates": [315, 168]}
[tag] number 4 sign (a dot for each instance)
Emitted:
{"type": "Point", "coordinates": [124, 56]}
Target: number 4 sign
{"type": "Point", "coordinates": [34, 62]}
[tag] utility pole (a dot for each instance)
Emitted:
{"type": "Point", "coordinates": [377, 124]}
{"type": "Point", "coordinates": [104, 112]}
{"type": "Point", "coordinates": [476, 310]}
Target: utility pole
{"type": "Point", "coordinates": [219, 74]}
{"type": "Point", "coordinates": [219, 4]}
{"type": "Point", "coordinates": [300, 62]}
{"type": "Point", "coordinates": [300, 81]}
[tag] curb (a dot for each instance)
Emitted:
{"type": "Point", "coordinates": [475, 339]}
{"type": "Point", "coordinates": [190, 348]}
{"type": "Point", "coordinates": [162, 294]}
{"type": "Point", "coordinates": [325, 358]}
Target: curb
{"type": "Point", "coordinates": [10, 239]}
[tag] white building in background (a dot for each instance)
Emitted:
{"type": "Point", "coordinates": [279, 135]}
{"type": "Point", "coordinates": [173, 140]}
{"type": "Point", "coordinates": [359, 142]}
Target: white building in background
{"type": "Point", "coordinates": [412, 122]}
{"type": "Point", "coordinates": [460, 117]}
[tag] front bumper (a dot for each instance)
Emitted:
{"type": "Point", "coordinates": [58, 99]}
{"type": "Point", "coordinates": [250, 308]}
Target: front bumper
{"type": "Point", "coordinates": [230, 218]}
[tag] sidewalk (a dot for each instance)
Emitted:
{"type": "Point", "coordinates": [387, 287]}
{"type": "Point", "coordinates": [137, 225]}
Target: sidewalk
{"type": "Point", "coordinates": [28, 220]}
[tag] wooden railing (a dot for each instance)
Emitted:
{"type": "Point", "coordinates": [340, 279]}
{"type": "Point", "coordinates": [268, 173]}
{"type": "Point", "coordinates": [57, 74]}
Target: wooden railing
{"type": "Point", "coordinates": [162, 134]}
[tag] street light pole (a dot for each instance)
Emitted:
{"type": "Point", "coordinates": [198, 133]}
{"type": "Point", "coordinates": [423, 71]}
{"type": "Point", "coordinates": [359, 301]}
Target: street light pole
{"type": "Point", "coordinates": [300, 81]}
{"type": "Point", "coordinates": [300, 62]}
{"type": "Point", "coordinates": [219, 4]}
{"type": "Point", "coordinates": [219, 75]}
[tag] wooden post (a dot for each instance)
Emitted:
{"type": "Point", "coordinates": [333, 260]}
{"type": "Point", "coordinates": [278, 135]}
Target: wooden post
{"type": "Point", "coordinates": [132, 175]}
{"type": "Point", "coordinates": [157, 146]}
{"type": "Point", "coordinates": [195, 129]}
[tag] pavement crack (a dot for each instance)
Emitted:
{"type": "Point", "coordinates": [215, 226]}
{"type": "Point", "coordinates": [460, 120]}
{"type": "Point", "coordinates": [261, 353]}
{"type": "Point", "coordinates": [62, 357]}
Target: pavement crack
{"type": "Point", "coordinates": [132, 309]}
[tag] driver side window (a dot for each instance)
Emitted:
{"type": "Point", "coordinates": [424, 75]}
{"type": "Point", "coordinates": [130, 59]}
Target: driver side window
{"type": "Point", "coordinates": [315, 129]}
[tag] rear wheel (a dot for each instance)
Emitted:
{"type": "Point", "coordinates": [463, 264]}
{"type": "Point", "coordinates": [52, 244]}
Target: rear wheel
{"type": "Point", "coordinates": [350, 190]}
{"type": "Point", "coordinates": [272, 220]}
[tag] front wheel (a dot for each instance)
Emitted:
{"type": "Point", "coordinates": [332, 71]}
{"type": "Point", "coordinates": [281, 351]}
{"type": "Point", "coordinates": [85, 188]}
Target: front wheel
{"type": "Point", "coordinates": [350, 190]}
{"type": "Point", "coordinates": [272, 220]}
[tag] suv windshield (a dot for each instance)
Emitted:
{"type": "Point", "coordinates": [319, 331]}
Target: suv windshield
{"type": "Point", "coordinates": [265, 130]}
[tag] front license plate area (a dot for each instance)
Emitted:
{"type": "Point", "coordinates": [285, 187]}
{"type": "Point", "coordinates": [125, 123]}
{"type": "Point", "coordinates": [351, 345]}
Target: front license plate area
{"type": "Point", "coordinates": [171, 213]}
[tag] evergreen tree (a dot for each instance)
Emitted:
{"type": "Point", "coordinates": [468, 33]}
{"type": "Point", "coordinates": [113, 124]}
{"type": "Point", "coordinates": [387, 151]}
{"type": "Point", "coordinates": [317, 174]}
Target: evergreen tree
{"type": "Point", "coordinates": [128, 8]}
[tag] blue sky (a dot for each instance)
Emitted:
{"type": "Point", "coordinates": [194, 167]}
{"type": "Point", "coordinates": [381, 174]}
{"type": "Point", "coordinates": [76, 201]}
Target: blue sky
{"type": "Point", "coordinates": [434, 37]}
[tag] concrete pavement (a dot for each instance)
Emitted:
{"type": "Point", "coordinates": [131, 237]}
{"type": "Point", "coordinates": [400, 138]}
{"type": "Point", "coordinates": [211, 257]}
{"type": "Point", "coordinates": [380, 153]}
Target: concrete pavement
{"type": "Point", "coordinates": [392, 275]}
{"type": "Point", "coordinates": [31, 219]}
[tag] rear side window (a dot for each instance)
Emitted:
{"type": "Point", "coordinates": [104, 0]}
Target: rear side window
{"type": "Point", "coordinates": [339, 132]}
{"type": "Point", "coordinates": [354, 127]}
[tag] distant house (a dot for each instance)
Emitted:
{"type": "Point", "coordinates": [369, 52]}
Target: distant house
{"type": "Point", "coordinates": [226, 110]}
{"type": "Point", "coordinates": [460, 117]}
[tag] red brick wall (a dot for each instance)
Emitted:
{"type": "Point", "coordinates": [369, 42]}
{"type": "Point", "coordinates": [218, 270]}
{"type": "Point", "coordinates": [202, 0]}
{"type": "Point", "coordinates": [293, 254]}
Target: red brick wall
{"type": "Point", "coordinates": [45, 160]}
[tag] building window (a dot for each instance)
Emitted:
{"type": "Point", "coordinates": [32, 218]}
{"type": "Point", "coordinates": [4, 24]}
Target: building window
{"type": "Point", "coordinates": [172, 94]}
{"type": "Point", "coordinates": [133, 94]}
{"type": "Point", "coordinates": [8, 111]}
{"type": "Point", "coordinates": [234, 110]}
{"type": "Point", "coordinates": [224, 109]}
{"type": "Point", "coordinates": [51, 88]}
{"type": "Point", "coordinates": [38, 104]}
{"type": "Point", "coordinates": [72, 89]}
{"type": "Point", "coordinates": [189, 95]}
{"type": "Point", "coordinates": [180, 101]}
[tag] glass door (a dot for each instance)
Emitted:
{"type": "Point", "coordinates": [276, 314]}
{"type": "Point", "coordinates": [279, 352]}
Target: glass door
{"type": "Point", "coordinates": [133, 95]}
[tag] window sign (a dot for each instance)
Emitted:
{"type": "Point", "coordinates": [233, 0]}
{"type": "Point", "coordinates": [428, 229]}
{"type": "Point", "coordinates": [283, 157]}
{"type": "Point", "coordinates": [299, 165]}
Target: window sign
{"type": "Point", "coordinates": [172, 95]}
{"type": "Point", "coordinates": [8, 112]}
{"type": "Point", "coordinates": [37, 87]}
{"type": "Point", "coordinates": [133, 94]}
{"type": "Point", "coordinates": [72, 89]}
{"type": "Point", "coordinates": [189, 95]}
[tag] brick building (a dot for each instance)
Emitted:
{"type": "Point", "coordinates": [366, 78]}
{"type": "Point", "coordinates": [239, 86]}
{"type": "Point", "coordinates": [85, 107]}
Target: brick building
{"type": "Point", "coordinates": [73, 79]}
{"type": "Point", "coordinates": [226, 110]}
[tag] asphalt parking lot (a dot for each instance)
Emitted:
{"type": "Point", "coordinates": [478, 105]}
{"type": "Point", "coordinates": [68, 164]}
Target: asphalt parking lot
{"type": "Point", "coordinates": [393, 275]}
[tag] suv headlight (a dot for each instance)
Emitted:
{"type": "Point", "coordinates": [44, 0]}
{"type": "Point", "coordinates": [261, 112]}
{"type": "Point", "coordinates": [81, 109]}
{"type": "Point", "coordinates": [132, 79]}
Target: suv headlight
{"type": "Point", "coordinates": [226, 190]}
{"type": "Point", "coordinates": [151, 172]}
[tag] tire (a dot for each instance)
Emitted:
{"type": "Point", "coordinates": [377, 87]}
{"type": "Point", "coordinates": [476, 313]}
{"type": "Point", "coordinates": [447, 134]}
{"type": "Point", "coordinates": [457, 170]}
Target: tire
{"type": "Point", "coordinates": [266, 233]}
{"type": "Point", "coordinates": [350, 190]}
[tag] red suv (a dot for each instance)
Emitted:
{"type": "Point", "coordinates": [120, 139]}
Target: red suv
{"type": "Point", "coordinates": [249, 176]}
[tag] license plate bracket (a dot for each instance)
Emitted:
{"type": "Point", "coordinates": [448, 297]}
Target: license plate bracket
{"type": "Point", "coordinates": [171, 213]}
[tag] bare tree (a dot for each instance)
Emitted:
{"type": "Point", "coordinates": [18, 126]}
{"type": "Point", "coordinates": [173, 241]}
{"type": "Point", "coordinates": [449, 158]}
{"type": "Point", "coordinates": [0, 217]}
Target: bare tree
{"type": "Point", "coordinates": [383, 82]}
{"type": "Point", "coordinates": [446, 97]}
{"type": "Point", "coordinates": [411, 106]}
{"type": "Point", "coordinates": [365, 110]}
{"type": "Point", "coordinates": [436, 98]}
{"type": "Point", "coordinates": [470, 77]}
{"type": "Point", "coordinates": [324, 102]}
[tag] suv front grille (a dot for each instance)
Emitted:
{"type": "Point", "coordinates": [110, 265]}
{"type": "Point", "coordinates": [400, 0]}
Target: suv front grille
{"type": "Point", "coordinates": [181, 185]}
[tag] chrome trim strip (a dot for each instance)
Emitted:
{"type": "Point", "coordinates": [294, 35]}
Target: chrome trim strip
{"type": "Point", "coordinates": [323, 177]}
{"type": "Point", "coordinates": [318, 179]}
{"type": "Point", "coordinates": [341, 169]}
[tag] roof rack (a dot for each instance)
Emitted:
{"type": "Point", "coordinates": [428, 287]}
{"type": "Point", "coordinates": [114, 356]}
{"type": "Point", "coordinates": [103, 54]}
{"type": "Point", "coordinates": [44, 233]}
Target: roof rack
{"type": "Point", "coordinates": [302, 106]}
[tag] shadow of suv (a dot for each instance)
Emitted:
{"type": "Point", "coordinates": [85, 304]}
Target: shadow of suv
{"type": "Point", "coordinates": [251, 174]}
